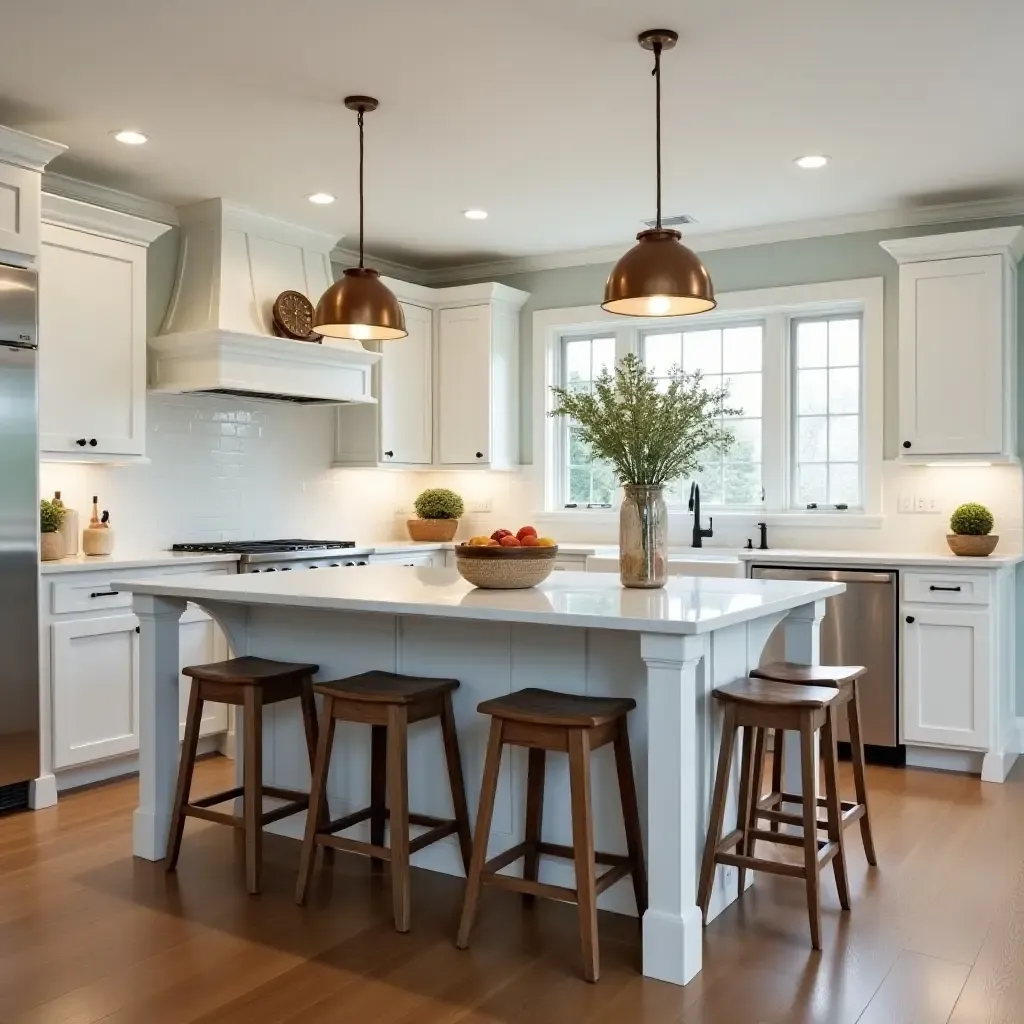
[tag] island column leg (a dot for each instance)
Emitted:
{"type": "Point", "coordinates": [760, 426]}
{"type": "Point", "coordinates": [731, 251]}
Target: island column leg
{"type": "Point", "coordinates": [803, 646]}
{"type": "Point", "coordinates": [672, 940]}
{"type": "Point", "coordinates": [158, 721]}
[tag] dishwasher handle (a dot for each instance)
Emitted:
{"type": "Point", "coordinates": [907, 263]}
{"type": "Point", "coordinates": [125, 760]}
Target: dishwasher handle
{"type": "Point", "coordinates": [822, 575]}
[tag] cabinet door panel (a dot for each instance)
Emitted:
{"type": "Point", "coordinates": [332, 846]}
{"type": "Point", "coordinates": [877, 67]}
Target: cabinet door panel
{"type": "Point", "coordinates": [946, 677]}
{"type": "Point", "coordinates": [951, 356]}
{"type": "Point", "coordinates": [19, 210]}
{"type": "Point", "coordinates": [464, 386]}
{"type": "Point", "coordinates": [91, 344]}
{"type": "Point", "coordinates": [95, 665]}
{"type": "Point", "coordinates": [200, 642]}
{"type": "Point", "coordinates": [405, 392]}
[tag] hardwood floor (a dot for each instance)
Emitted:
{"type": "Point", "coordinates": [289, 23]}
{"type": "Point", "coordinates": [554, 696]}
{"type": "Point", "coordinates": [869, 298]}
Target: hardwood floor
{"type": "Point", "coordinates": [89, 934]}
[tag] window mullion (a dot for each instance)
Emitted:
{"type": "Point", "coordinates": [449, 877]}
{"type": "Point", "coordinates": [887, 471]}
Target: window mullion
{"type": "Point", "coordinates": [775, 412]}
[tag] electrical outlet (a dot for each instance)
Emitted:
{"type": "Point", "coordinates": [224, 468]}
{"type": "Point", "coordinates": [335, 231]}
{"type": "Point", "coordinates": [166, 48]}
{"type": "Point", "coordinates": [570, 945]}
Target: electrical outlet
{"type": "Point", "coordinates": [920, 504]}
{"type": "Point", "coordinates": [933, 505]}
{"type": "Point", "coordinates": [906, 503]}
{"type": "Point", "coordinates": [482, 505]}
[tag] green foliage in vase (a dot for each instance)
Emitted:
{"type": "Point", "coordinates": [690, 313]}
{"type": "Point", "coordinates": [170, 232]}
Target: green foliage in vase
{"type": "Point", "coordinates": [972, 520]}
{"type": "Point", "coordinates": [439, 503]}
{"type": "Point", "coordinates": [51, 516]}
{"type": "Point", "coordinates": [646, 433]}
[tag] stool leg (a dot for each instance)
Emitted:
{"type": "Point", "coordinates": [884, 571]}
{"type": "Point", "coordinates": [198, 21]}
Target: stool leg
{"type": "Point", "coordinates": [317, 801]}
{"type": "Point", "coordinates": [859, 783]}
{"type": "Point", "coordinates": [378, 789]}
{"type": "Point", "coordinates": [743, 799]}
{"type": "Point", "coordinates": [756, 784]}
{"type": "Point", "coordinates": [534, 816]}
{"type": "Point", "coordinates": [778, 763]}
{"type": "Point", "coordinates": [583, 848]}
{"type": "Point", "coordinates": [252, 797]}
{"type": "Point", "coordinates": [189, 745]}
{"type": "Point", "coordinates": [809, 779]}
{"type": "Point", "coordinates": [488, 791]}
{"type": "Point", "coordinates": [707, 867]}
{"type": "Point", "coordinates": [312, 730]}
{"type": "Point", "coordinates": [835, 811]}
{"type": "Point", "coordinates": [631, 817]}
{"type": "Point", "coordinates": [398, 786]}
{"type": "Point", "coordinates": [455, 781]}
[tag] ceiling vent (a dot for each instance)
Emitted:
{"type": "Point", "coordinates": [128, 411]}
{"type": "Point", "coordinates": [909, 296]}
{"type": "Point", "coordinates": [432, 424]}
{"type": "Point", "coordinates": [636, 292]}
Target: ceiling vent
{"type": "Point", "coordinates": [680, 220]}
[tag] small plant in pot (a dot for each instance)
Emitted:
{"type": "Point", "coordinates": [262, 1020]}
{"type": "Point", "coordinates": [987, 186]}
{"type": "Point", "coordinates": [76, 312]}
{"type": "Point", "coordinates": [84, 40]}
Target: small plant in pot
{"type": "Point", "coordinates": [971, 526]}
{"type": "Point", "coordinates": [438, 513]}
{"type": "Point", "coordinates": [51, 518]}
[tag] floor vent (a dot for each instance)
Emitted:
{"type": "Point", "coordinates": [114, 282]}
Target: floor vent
{"type": "Point", "coordinates": [14, 797]}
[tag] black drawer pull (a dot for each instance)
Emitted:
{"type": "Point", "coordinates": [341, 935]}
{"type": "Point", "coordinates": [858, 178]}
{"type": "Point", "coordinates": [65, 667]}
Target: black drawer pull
{"type": "Point", "coordinates": [951, 590]}
{"type": "Point", "coordinates": [910, 618]}
{"type": "Point", "coordinates": [104, 593]}
{"type": "Point", "coordinates": [137, 629]}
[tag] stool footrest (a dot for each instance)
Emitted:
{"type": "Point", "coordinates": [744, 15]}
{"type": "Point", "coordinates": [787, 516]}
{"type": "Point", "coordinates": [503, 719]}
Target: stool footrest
{"type": "Point", "coordinates": [567, 853]}
{"type": "Point", "coordinates": [438, 828]}
{"type": "Point", "coordinates": [285, 794]}
{"type": "Point", "coordinates": [353, 846]}
{"type": "Point", "coordinates": [217, 817]}
{"type": "Point", "coordinates": [619, 867]}
{"type": "Point", "coordinates": [340, 824]}
{"type": "Point", "coordinates": [529, 887]}
{"type": "Point", "coordinates": [217, 798]}
{"type": "Point", "coordinates": [285, 811]}
{"type": "Point", "coordinates": [442, 831]}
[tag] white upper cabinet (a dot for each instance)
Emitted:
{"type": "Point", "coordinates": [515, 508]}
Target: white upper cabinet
{"type": "Point", "coordinates": [448, 394]}
{"type": "Point", "coordinates": [92, 331]}
{"type": "Point", "coordinates": [398, 429]}
{"type": "Point", "coordinates": [478, 378]}
{"type": "Point", "coordinates": [22, 159]}
{"type": "Point", "coordinates": [957, 344]}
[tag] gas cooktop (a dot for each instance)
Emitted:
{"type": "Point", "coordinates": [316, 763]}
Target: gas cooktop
{"type": "Point", "coordinates": [260, 547]}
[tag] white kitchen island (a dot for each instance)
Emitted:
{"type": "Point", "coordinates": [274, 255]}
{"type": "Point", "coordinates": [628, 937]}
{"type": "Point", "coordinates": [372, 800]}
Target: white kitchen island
{"type": "Point", "coordinates": [578, 632]}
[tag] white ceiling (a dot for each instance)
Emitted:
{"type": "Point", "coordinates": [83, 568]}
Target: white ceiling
{"type": "Point", "coordinates": [540, 111]}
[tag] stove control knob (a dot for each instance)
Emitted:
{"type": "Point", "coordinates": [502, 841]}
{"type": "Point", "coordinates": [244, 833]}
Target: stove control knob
{"type": "Point", "coordinates": [270, 570]}
{"type": "Point", "coordinates": [312, 566]}
{"type": "Point", "coordinates": [286, 568]}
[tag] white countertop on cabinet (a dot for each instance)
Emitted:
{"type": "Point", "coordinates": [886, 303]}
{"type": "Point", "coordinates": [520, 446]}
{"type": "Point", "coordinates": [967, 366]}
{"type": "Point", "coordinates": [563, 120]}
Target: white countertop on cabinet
{"type": "Point", "coordinates": [143, 560]}
{"type": "Point", "coordinates": [946, 560]}
{"type": "Point", "coordinates": [686, 605]}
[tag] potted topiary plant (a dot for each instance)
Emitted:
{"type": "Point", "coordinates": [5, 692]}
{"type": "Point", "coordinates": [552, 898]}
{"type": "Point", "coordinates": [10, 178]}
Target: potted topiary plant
{"type": "Point", "coordinates": [972, 531]}
{"type": "Point", "coordinates": [438, 511]}
{"type": "Point", "coordinates": [51, 518]}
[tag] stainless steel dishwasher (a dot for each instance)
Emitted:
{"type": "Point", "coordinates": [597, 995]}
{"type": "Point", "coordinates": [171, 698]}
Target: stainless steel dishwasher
{"type": "Point", "coordinates": [859, 628]}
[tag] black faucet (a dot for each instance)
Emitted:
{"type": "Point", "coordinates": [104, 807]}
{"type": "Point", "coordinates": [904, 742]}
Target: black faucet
{"type": "Point", "coordinates": [763, 545]}
{"type": "Point", "coordinates": [694, 506]}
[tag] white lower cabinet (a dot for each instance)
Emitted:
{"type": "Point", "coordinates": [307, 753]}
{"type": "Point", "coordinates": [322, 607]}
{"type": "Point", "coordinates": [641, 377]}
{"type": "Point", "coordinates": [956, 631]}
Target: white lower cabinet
{"type": "Point", "coordinates": [947, 676]}
{"type": "Point", "coordinates": [95, 669]}
{"type": "Point", "coordinates": [410, 558]}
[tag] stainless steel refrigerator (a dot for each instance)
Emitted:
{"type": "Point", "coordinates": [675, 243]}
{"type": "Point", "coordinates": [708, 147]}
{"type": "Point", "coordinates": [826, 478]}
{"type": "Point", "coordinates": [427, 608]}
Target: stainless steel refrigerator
{"type": "Point", "coordinates": [19, 536]}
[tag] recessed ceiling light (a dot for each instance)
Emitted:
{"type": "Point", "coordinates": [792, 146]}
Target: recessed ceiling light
{"type": "Point", "coordinates": [130, 138]}
{"type": "Point", "coordinates": [811, 163]}
{"type": "Point", "coordinates": [321, 198]}
{"type": "Point", "coordinates": [475, 214]}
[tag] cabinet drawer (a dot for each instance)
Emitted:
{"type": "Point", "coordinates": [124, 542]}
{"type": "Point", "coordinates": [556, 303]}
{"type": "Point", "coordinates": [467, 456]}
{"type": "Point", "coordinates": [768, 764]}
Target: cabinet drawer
{"type": "Point", "coordinates": [946, 588]}
{"type": "Point", "coordinates": [92, 595]}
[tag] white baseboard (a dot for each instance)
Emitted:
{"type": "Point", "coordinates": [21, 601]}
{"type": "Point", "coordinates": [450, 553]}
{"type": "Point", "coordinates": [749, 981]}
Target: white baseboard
{"type": "Point", "coordinates": [42, 792]}
{"type": "Point", "coordinates": [964, 761]}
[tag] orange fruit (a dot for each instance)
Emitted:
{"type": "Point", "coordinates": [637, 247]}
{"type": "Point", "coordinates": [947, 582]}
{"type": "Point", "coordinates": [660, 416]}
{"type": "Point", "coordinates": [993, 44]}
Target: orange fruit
{"type": "Point", "coordinates": [545, 542]}
{"type": "Point", "coordinates": [510, 542]}
{"type": "Point", "coordinates": [529, 540]}
{"type": "Point", "coordinates": [492, 543]}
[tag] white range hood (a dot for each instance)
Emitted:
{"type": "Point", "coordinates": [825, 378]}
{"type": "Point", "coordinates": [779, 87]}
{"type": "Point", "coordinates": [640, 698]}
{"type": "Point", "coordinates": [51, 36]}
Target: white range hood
{"type": "Point", "coordinates": [217, 336]}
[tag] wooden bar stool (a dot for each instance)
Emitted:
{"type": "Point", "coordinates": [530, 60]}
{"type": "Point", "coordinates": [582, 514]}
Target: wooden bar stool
{"type": "Point", "coordinates": [844, 679]}
{"type": "Point", "coordinates": [755, 705]}
{"type": "Point", "coordinates": [250, 684]}
{"type": "Point", "coordinates": [543, 720]}
{"type": "Point", "coordinates": [388, 703]}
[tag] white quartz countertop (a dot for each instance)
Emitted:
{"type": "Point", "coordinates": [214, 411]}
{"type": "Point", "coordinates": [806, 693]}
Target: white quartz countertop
{"type": "Point", "coordinates": [877, 558]}
{"type": "Point", "coordinates": [594, 600]}
{"type": "Point", "coordinates": [143, 560]}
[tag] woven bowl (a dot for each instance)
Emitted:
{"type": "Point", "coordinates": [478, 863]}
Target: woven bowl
{"type": "Point", "coordinates": [972, 545]}
{"type": "Point", "coordinates": [500, 568]}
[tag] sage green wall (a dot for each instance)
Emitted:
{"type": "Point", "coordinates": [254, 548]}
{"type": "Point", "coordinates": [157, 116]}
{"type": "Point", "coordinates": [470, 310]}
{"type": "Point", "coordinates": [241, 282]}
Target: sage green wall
{"type": "Point", "coordinates": [804, 261]}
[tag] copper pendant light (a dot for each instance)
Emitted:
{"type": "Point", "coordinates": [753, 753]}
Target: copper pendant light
{"type": "Point", "coordinates": [659, 276]}
{"type": "Point", "coordinates": [359, 305]}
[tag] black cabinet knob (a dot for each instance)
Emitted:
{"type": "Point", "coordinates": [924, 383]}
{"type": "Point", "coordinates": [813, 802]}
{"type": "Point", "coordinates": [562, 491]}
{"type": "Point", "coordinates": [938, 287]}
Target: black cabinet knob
{"type": "Point", "coordinates": [81, 442]}
{"type": "Point", "coordinates": [479, 455]}
{"type": "Point", "coordinates": [906, 444]}
{"type": "Point", "coordinates": [910, 618]}
{"type": "Point", "coordinates": [137, 630]}
{"type": "Point", "coordinates": [92, 442]}
{"type": "Point", "coordinates": [390, 455]}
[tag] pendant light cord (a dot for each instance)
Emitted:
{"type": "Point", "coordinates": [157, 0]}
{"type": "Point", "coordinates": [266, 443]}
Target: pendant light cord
{"type": "Point", "coordinates": [360, 120]}
{"type": "Point", "coordinates": [657, 123]}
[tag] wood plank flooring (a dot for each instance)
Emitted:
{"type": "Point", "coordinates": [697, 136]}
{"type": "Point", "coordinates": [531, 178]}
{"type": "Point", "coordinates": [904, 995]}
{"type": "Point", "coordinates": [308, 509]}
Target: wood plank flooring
{"type": "Point", "coordinates": [88, 934]}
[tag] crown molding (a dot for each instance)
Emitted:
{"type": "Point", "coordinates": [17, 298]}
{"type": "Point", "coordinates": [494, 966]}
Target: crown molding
{"type": "Point", "coordinates": [99, 220]}
{"type": "Point", "coordinates": [28, 151]}
{"type": "Point", "coordinates": [1007, 242]}
{"type": "Point", "coordinates": [881, 220]}
{"type": "Point", "coordinates": [388, 268]}
{"type": "Point", "coordinates": [109, 198]}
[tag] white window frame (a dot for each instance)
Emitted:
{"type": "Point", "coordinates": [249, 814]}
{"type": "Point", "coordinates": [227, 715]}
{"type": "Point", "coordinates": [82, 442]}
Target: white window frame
{"type": "Point", "coordinates": [777, 308]}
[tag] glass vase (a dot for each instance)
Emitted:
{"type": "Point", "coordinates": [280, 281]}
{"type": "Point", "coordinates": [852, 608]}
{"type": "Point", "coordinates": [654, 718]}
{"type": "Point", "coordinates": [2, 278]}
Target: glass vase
{"type": "Point", "coordinates": [643, 536]}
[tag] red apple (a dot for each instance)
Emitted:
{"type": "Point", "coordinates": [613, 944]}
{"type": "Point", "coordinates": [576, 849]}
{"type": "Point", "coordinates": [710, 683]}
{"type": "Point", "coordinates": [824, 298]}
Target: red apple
{"type": "Point", "coordinates": [509, 541]}
{"type": "Point", "coordinates": [526, 531]}
{"type": "Point", "coordinates": [498, 534]}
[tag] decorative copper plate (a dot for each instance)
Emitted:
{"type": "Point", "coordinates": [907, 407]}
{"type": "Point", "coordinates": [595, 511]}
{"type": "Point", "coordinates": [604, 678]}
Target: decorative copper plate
{"type": "Point", "coordinates": [293, 317]}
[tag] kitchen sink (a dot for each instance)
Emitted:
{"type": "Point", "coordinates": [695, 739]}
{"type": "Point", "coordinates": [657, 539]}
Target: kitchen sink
{"type": "Point", "coordinates": [683, 563]}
